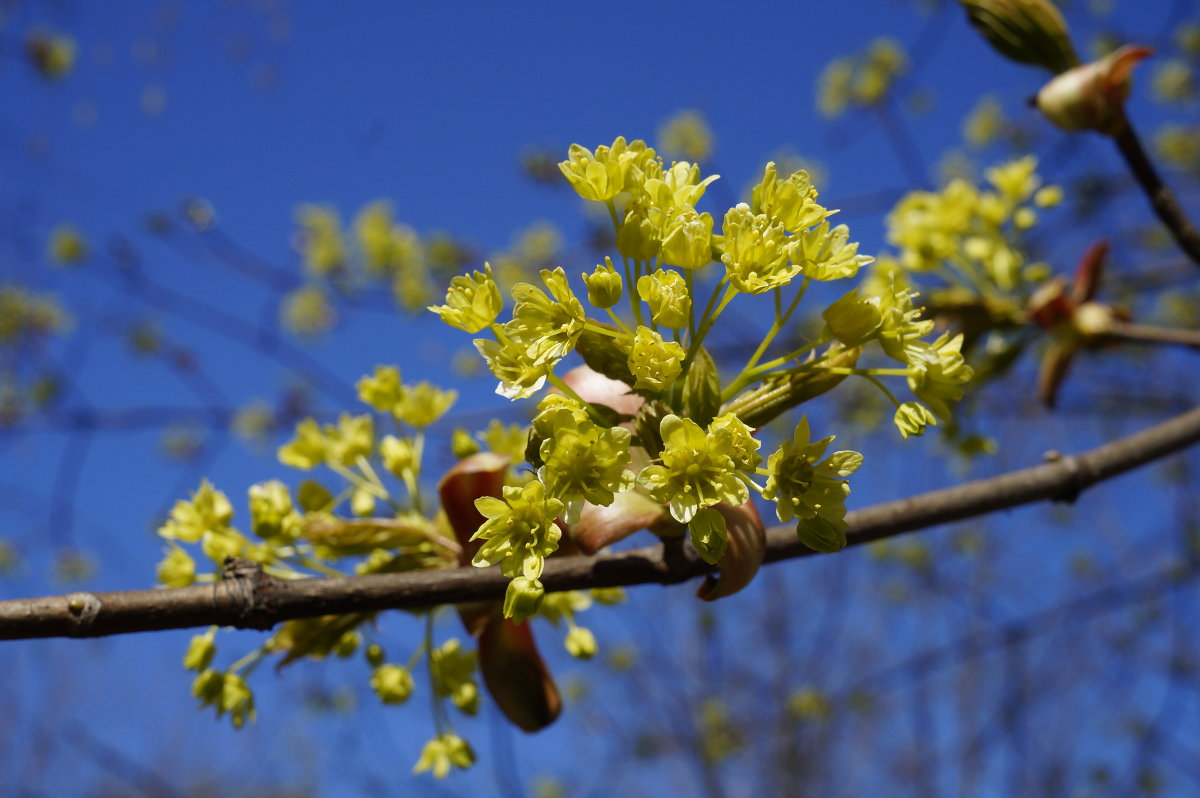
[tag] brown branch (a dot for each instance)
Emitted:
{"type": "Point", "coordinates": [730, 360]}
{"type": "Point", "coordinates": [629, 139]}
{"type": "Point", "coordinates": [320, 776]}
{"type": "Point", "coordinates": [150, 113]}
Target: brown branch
{"type": "Point", "coordinates": [1149, 334]}
{"type": "Point", "coordinates": [248, 598]}
{"type": "Point", "coordinates": [1162, 199]}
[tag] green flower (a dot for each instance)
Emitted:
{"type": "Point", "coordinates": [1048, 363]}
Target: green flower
{"type": "Point", "coordinates": [911, 418]}
{"type": "Point", "coordinates": [423, 404]}
{"type": "Point", "coordinates": [739, 439]}
{"type": "Point", "coordinates": [812, 490]}
{"type": "Point", "coordinates": [790, 203]}
{"type": "Point", "coordinates": [472, 301]}
{"type": "Point", "coordinates": [523, 598]}
{"type": "Point", "coordinates": [828, 254]}
{"type": "Point", "coordinates": [520, 531]}
{"type": "Point", "coordinates": [399, 455]}
{"type": "Point", "coordinates": [580, 643]}
{"type": "Point", "coordinates": [208, 511]}
{"type": "Point", "coordinates": [666, 293]}
{"type": "Point", "coordinates": [582, 461]}
{"type": "Point", "coordinates": [200, 651]}
{"type": "Point", "coordinates": [452, 669]}
{"type": "Point", "coordinates": [937, 372]}
{"type": "Point", "coordinates": [547, 327]}
{"type": "Point", "coordinates": [520, 375]}
{"type": "Point", "coordinates": [698, 470]}
{"type": "Point", "coordinates": [687, 239]}
{"type": "Point", "coordinates": [442, 752]}
{"type": "Point", "coordinates": [757, 251]}
{"type": "Point", "coordinates": [653, 361]}
{"type": "Point", "coordinates": [177, 569]}
{"type": "Point", "coordinates": [383, 390]}
{"type": "Point", "coordinates": [272, 514]}
{"type": "Point", "coordinates": [392, 683]}
{"type": "Point", "coordinates": [601, 175]}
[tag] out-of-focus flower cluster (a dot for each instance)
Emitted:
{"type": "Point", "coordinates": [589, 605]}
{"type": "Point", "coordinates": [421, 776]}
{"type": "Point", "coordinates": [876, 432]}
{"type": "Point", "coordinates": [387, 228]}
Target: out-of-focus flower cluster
{"type": "Point", "coordinates": [861, 80]}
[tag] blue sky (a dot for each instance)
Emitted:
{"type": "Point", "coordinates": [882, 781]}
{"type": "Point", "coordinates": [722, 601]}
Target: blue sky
{"type": "Point", "coordinates": [429, 107]}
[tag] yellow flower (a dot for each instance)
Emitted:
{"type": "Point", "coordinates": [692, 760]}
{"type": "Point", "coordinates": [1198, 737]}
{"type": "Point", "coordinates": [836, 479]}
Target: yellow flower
{"type": "Point", "coordinates": [757, 251]}
{"type": "Point", "coordinates": [601, 175]}
{"type": "Point", "coordinates": [443, 752]}
{"type": "Point", "coordinates": [547, 327]}
{"type": "Point", "coordinates": [655, 362]}
{"type": "Point", "coordinates": [321, 242]}
{"type": "Point", "coordinates": [423, 404]}
{"type": "Point", "coordinates": [666, 293]}
{"type": "Point", "coordinates": [472, 302]}
{"type": "Point", "coordinates": [383, 390]}
{"type": "Point", "coordinates": [209, 510]}
{"type": "Point", "coordinates": [697, 470]}
{"type": "Point", "coordinates": [687, 238]}
{"type": "Point", "coordinates": [67, 245]}
{"type": "Point", "coordinates": [790, 203]}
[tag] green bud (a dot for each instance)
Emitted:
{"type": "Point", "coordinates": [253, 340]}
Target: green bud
{"type": "Point", "coordinates": [580, 643]}
{"type": "Point", "coordinates": [687, 240]}
{"type": "Point", "coordinates": [392, 683]}
{"type": "Point", "coordinates": [709, 534]}
{"type": "Point", "coordinates": [1026, 31]}
{"type": "Point", "coordinates": [523, 598]}
{"type": "Point", "coordinates": [375, 655]}
{"type": "Point", "coordinates": [604, 285]}
{"type": "Point", "coordinates": [462, 444]}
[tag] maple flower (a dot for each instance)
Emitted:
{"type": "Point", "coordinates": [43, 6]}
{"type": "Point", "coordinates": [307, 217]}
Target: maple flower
{"type": "Point", "coordinates": [519, 532]}
{"type": "Point", "coordinates": [811, 490]}
{"type": "Point", "coordinates": [472, 301]}
{"type": "Point", "coordinates": [697, 470]}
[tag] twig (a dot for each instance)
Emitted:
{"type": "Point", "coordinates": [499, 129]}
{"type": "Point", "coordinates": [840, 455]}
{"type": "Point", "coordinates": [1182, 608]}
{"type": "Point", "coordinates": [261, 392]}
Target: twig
{"type": "Point", "coordinates": [1149, 334]}
{"type": "Point", "coordinates": [1162, 199]}
{"type": "Point", "coordinates": [248, 598]}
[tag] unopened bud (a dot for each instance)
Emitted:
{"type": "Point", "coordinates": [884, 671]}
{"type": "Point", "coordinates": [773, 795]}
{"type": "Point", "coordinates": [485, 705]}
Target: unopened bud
{"type": "Point", "coordinates": [1092, 96]}
{"type": "Point", "coordinates": [604, 285]}
{"type": "Point", "coordinates": [1026, 31]}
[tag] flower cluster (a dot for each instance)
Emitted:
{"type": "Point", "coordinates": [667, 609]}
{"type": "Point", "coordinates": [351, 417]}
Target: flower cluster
{"type": "Point", "coordinates": [669, 445]}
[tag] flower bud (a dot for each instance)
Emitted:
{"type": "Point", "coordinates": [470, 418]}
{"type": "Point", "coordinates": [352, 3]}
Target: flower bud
{"type": "Point", "coordinates": [604, 285]}
{"type": "Point", "coordinates": [523, 598]}
{"type": "Point", "coordinates": [1026, 31]}
{"type": "Point", "coordinates": [638, 237]}
{"type": "Point", "coordinates": [375, 655]}
{"type": "Point", "coordinates": [1092, 96]}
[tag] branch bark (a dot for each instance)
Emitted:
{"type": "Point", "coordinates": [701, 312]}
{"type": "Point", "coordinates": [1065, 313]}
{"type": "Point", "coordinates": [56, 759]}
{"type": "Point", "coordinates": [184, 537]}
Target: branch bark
{"type": "Point", "coordinates": [248, 598]}
{"type": "Point", "coordinates": [1162, 198]}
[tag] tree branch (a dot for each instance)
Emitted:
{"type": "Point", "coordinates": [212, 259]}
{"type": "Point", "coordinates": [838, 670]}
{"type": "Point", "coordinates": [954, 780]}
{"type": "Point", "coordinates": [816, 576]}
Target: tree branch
{"type": "Point", "coordinates": [248, 598]}
{"type": "Point", "coordinates": [1149, 334]}
{"type": "Point", "coordinates": [1162, 199]}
